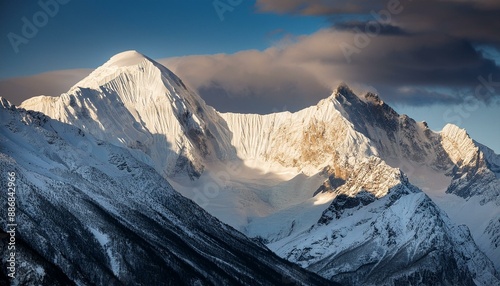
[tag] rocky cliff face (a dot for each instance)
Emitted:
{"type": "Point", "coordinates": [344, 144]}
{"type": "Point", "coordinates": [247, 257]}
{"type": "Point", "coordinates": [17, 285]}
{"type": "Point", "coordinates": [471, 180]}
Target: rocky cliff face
{"type": "Point", "coordinates": [474, 173]}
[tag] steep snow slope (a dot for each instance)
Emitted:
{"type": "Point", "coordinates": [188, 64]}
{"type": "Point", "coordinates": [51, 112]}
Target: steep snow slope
{"type": "Point", "coordinates": [411, 145]}
{"type": "Point", "coordinates": [370, 174]}
{"type": "Point", "coordinates": [397, 138]}
{"type": "Point", "coordinates": [132, 101]}
{"type": "Point", "coordinates": [282, 160]}
{"type": "Point", "coordinates": [473, 174]}
{"type": "Point", "coordinates": [89, 212]}
{"type": "Point", "coordinates": [305, 140]}
{"type": "Point", "coordinates": [296, 147]}
{"type": "Point", "coordinates": [492, 159]}
{"type": "Point", "coordinates": [399, 239]}
{"type": "Point", "coordinates": [440, 163]}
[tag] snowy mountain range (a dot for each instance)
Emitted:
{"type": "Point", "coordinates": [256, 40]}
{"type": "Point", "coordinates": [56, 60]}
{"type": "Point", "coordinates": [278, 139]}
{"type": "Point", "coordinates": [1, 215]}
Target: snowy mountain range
{"type": "Point", "coordinates": [89, 213]}
{"type": "Point", "coordinates": [348, 189]}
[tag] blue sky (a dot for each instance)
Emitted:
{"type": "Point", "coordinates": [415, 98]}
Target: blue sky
{"type": "Point", "coordinates": [275, 54]}
{"type": "Point", "coordinates": [84, 34]}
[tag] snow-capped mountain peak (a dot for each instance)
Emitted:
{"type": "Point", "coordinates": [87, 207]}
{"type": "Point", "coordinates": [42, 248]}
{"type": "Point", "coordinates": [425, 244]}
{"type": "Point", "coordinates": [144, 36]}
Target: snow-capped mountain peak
{"type": "Point", "coordinates": [136, 67]}
{"type": "Point", "coordinates": [458, 144]}
{"type": "Point", "coordinates": [127, 58]}
{"type": "Point", "coordinates": [132, 101]}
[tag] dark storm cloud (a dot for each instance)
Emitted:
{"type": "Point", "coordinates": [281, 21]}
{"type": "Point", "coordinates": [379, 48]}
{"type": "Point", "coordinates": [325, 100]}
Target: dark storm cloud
{"type": "Point", "coordinates": [465, 19]}
{"type": "Point", "coordinates": [462, 18]}
{"type": "Point", "coordinates": [422, 60]}
{"type": "Point", "coordinates": [414, 52]}
{"type": "Point", "coordinates": [385, 29]}
{"type": "Point", "coordinates": [415, 96]}
{"type": "Point", "coordinates": [306, 70]}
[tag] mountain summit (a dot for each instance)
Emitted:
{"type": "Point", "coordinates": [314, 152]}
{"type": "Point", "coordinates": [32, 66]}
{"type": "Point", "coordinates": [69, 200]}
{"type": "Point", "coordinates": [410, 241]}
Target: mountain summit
{"type": "Point", "coordinates": [134, 102]}
{"type": "Point", "coordinates": [127, 58]}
